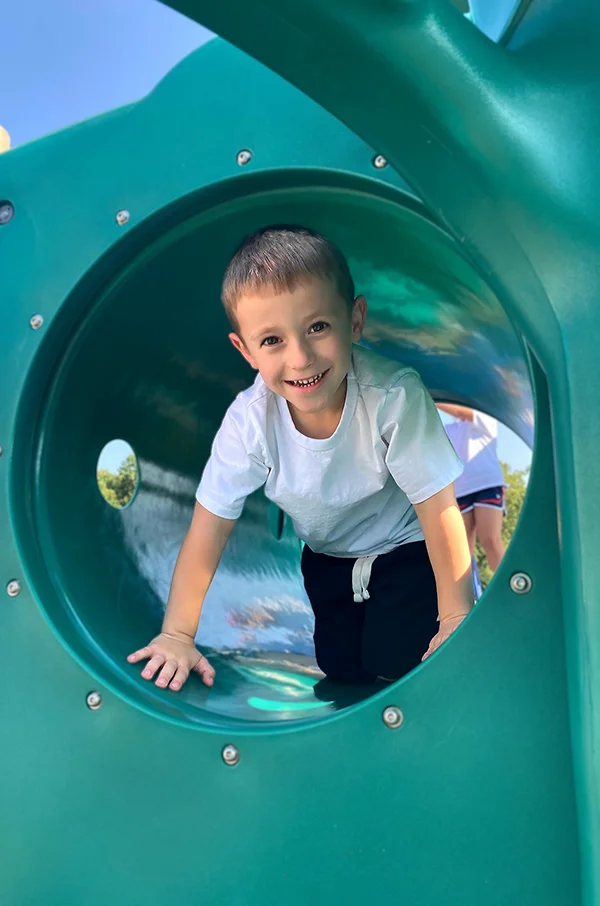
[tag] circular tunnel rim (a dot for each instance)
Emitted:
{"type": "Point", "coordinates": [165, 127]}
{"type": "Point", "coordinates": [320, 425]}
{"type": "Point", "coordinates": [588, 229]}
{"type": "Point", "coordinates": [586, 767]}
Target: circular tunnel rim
{"type": "Point", "coordinates": [127, 253]}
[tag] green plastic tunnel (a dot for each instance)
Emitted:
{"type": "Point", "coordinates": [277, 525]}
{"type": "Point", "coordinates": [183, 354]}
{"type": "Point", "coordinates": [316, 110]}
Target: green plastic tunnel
{"type": "Point", "coordinates": [114, 238]}
{"type": "Point", "coordinates": [146, 359]}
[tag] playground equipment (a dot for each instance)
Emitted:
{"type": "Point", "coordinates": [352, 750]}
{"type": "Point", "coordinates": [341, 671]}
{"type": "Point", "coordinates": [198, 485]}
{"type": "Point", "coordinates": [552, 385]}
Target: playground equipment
{"type": "Point", "coordinates": [472, 781]}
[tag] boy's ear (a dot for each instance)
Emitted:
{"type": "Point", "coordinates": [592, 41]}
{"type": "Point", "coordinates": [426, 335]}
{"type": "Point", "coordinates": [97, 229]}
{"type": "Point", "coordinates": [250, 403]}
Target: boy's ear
{"type": "Point", "coordinates": [359, 313]}
{"type": "Point", "coordinates": [242, 349]}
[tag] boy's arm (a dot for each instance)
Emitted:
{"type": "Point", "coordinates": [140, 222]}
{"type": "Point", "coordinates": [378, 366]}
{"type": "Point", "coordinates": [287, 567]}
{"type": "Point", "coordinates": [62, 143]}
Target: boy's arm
{"type": "Point", "coordinates": [174, 650]}
{"type": "Point", "coordinates": [196, 565]}
{"type": "Point", "coordinates": [463, 412]}
{"type": "Point", "coordinates": [448, 549]}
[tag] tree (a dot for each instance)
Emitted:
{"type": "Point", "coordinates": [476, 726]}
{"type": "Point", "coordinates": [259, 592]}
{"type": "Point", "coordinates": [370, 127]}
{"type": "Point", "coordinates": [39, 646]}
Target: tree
{"type": "Point", "coordinates": [516, 488]}
{"type": "Point", "coordinates": [118, 488]}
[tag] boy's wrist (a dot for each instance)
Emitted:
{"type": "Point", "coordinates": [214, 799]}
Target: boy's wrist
{"type": "Point", "coordinates": [452, 610]}
{"type": "Point", "coordinates": [451, 617]}
{"type": "Point", "coordinates": [181, 635]}
{"type": "Point", "coordinates": [457, 601]}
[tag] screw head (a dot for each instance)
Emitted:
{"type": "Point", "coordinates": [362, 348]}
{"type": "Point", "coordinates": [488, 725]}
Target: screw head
{"type": "Point", "coordinates": [122, 217]}
{"type": "Point", "coordinates": [392, 717]}
{"type": "Point", "coordinates": [35, 322]}
{"type": "Point", "coordinates": [93, 701]}
{"type": "Point", "coordinates": [379, 162]}
{"type": "Point", "coordinates": [13, 588]}
{"type": "Point", "coordinates": [1, 451]}
{"type": "Point", "coordinates": [521, 583]}
{"type": "Point", "coordinates": [244, 157]}
{"type": "Point", "coordinates": [7, 212]}
{"type": "Point", "coordinates": [230, 755]}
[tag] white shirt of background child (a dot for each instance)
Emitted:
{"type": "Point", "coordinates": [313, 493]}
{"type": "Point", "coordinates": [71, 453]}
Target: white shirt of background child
{"type": "Point", "coordinates": [476, 444]}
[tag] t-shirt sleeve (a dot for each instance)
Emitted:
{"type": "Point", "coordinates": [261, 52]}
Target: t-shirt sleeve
{"type": "Point", "coordinates": [235, 469]}
{"type": "Point", "coordinates": [485, 425]}
{"type": "Point", "coordinates": [419, 454]}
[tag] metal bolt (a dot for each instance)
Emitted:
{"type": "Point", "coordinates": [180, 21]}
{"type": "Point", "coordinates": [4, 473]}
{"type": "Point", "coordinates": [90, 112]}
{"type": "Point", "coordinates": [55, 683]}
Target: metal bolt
{"type": "Point", "coordinates": [244, 157]}
{"type": "Point", "coordinates": [1, 451]}
{"type": "Point", "coordinates": [379, 162]}
{"type": "Point", "coordinates": [393, 717]}
{"type": "Point", "coordinates": [521, 583]}
{"type": "Point", "coordinates": [13, 588]}
{"type": "Point", "coordinates": [7, 212]}
{"type": "Point", "coordinates": [230, 755]}
{"type": "Point", "coordinates": [36, 322]}
{"type": "Point", "coordinates": [93, 701]}
{"type": "Point", "coordinates": [122, 217]}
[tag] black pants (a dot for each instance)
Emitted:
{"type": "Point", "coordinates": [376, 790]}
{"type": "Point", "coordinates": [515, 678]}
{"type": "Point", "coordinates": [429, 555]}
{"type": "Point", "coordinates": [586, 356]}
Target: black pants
{"type": "Point", "coordinates": [385, 636]}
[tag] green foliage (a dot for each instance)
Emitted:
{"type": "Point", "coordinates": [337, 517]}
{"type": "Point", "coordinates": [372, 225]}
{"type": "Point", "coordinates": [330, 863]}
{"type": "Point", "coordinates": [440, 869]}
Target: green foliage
{"type": "Point", "coordinates": [118, 488]}
{"type": "Point", "coordinates": [516, 487]}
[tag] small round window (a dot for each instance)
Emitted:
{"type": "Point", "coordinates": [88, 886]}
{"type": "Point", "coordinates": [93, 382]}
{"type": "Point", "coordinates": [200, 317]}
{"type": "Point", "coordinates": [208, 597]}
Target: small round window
{"type": "Point", "coordinates": [118, 474]}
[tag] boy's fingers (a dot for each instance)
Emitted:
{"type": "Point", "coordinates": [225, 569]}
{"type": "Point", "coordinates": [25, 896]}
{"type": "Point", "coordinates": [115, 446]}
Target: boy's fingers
{"type": "Point", "coordinates": [434, 643]}
{"type": "Point", "coordinates": [166, 674]}
{"type": "Point", "coordinates": [152, 666]}
{"type": "Point", "coordinates": [438, 640]}
{"type": "Point", "coordinates": [139, 655]}
{"type": "Point", "coordinates": [205, 670]}
{"type": "Point", "coordinates": [179, 679]}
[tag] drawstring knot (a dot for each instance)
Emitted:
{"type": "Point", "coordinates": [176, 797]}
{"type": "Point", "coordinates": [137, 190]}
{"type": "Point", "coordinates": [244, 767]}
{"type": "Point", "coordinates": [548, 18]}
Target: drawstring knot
{"type": "Point", "coordinates": [361, 574]}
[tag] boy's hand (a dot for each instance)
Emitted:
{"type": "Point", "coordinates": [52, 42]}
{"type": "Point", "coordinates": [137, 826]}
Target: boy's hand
{"type": "Point", "coordinates": [447, 627]}
{"type": "Point", "coordinates": [178, 657]}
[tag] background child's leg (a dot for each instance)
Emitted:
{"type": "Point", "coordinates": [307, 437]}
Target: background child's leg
{"type": "Point", "coordinates": [488, 524]}
{"type": "Point", "coordinates": [469, 521]}
{"type": "Point", "coordinates": [401, 614]}
{"type": "Point", "coordinates": [339, 620]}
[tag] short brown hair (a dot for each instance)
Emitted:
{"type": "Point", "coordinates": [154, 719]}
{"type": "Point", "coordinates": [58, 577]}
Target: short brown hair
{"type": "Point", "coordinates": [283, 257]}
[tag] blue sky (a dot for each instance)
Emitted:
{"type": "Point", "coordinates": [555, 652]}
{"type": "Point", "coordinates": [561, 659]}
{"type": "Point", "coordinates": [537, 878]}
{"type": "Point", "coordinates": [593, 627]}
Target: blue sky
{"type": "Point", "coordinates": [66, 60]}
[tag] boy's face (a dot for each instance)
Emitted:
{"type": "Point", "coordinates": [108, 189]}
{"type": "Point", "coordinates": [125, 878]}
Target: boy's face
{"type": "Point", "coordinates": [300, 341]}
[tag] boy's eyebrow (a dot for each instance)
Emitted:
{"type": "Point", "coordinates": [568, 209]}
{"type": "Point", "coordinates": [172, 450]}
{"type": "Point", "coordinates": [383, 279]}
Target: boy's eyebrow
{"type": "Point", "coordinates": [264, 331]}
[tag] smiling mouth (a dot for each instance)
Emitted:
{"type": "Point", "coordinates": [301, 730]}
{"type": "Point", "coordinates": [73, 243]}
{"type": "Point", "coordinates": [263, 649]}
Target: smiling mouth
{"type": "Point", "coordinates": [308, 382]}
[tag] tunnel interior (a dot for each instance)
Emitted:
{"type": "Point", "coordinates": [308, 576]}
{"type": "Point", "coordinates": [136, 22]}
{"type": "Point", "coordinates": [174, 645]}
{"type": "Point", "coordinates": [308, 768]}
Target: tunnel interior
{"type": "Point", "coordinates": [140, 353]}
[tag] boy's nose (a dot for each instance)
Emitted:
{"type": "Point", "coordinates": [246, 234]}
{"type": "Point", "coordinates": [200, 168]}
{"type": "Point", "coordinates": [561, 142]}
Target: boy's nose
{"type": "Point", "coordinates": [300, 356]}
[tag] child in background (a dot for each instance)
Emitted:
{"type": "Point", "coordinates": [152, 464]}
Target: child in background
{"type": "Point", "coordinates": [351, 446]}
{"type": "Point", "coordinates": [480, 488]}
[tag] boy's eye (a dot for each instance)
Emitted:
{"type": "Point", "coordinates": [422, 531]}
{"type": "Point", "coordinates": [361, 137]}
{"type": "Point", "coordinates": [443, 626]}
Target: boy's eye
{"type": "Point", "coordinates": [270, 341]}
{"type": "Point", "coordinates": [319, 327]}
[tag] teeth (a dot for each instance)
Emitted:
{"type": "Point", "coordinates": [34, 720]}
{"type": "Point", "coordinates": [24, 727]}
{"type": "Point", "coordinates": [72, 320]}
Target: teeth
{"type": "Point", "coordinates": [307, 383]}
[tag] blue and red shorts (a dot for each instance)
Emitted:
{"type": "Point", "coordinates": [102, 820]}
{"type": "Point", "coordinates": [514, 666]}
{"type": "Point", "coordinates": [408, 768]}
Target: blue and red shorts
{"type": "Point", "coordinates": [493, 498]}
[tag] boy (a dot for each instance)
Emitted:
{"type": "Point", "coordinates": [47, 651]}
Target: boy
{"type": "Point", "coordinates": [351, 446]}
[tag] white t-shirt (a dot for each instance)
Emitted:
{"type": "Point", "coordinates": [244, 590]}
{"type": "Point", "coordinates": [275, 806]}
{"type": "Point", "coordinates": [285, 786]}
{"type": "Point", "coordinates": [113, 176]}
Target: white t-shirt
{"type": "Point", "coordinates": [348, 495]}
{"type": "Point", "coordinates": [476, 445]}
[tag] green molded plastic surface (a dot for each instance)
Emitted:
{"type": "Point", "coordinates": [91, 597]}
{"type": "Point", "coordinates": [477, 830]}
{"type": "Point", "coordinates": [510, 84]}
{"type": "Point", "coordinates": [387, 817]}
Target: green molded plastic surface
{"type": "Point", "coordinates": [480, 275]}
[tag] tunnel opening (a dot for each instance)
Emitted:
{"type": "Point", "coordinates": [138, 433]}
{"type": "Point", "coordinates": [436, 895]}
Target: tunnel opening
{"type": "Point", "coordinates": [140, 352]}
